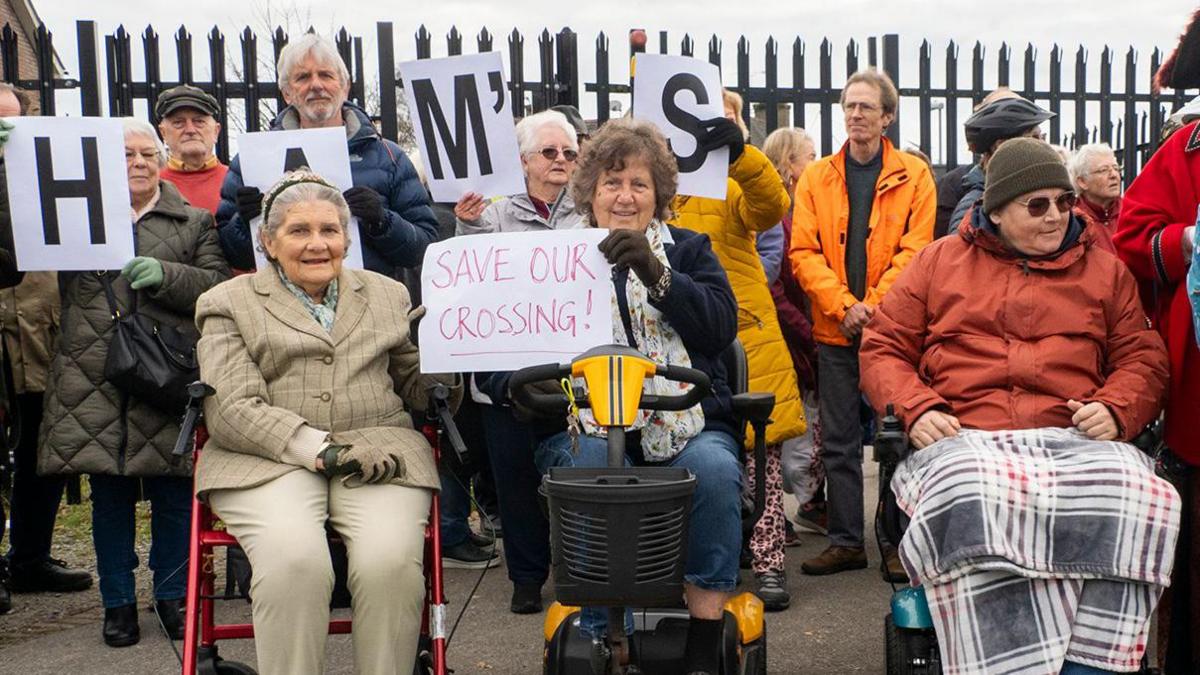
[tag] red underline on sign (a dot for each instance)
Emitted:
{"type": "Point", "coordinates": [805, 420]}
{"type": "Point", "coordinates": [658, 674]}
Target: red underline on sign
{"type": "Point", "coordinates": [512, 351]}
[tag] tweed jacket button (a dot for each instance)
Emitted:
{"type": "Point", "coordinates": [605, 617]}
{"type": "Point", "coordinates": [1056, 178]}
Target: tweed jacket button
{"type": "Point", "coordinates": [325, 396]}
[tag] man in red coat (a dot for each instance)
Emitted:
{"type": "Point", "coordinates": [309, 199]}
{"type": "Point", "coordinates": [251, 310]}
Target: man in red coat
{"type": "Point", "coordinates": [1154, 237]}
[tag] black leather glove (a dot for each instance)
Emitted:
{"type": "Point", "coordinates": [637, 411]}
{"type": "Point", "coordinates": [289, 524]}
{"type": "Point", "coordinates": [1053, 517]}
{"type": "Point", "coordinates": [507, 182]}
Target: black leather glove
{"type": "Point", "coordinates": [358, 465]}
{"type": "Point", "coordinates": [249, 202]}
{"type": "Point", "coordinates": [721, 131]}
{"type": "Point", "coordinates": [526, 414]}
{"type": "Point", "coordinates": [366, 205]}
{"type": "Point", "coordinates": [630, 248]}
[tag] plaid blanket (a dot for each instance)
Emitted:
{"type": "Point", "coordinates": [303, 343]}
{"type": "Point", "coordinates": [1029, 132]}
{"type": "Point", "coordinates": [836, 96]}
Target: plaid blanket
{"type": "Point", "coordinates": [1037, 546]}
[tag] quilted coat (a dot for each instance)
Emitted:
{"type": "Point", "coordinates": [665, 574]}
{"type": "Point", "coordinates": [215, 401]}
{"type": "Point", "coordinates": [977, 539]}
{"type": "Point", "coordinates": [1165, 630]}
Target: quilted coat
{"type": "Point", "coordinates": [755, 201]}
{"type": "Point", "coordinates": [89, 425]}
{"type": "Point", "coordinates": [409, 224]}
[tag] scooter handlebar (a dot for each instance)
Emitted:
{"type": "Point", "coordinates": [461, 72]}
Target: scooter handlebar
{"type": "Point", "coordinates": [701, 387]}
{"type": "Point", "coordinates": [519, 383]}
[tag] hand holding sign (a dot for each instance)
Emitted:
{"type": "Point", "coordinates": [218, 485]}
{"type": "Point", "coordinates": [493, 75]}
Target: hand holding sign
{"type": "Point", "coordinates": [676, 93]}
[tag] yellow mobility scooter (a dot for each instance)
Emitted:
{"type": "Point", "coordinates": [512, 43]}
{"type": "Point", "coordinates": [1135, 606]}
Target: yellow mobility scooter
{"type": "Point", "coordinates": [619, 534]}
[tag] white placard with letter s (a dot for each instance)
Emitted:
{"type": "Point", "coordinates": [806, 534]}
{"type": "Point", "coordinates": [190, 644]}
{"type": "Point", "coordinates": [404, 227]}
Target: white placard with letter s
{"type": "Point", "coordinates": [510, 300]}
{"type": "Point", "coordinates": [266, 155]}
{"type": "Point", "coordinates": [463, 118]}
{"type": "Point", "coordinates": [676, 93]}
{"type": "Point", "coordinates": [68, 193]}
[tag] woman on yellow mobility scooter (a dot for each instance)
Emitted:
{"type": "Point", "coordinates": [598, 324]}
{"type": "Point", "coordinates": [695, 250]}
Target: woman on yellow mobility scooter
{"type": "Point", "coordinates": [673, 303]}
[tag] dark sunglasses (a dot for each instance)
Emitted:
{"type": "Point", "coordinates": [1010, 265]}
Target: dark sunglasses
{"type": "Point", "coordinates": [552, 154]}
{"type": "Point", "coordinates": [1038, 206]}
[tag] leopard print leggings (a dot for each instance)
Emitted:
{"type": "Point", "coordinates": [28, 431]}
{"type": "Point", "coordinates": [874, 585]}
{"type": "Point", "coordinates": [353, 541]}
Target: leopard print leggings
{"type": "Point", "coordinates": [767, 541]}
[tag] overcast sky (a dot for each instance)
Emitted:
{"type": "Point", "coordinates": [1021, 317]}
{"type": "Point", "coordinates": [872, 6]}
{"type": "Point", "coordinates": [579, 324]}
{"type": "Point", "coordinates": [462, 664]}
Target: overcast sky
{"type": "Point", "coordinates": [1143, 24]}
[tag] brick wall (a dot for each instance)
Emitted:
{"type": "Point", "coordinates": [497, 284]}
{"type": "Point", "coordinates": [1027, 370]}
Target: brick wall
{"type": "Point", "coordinates": [25, 56]}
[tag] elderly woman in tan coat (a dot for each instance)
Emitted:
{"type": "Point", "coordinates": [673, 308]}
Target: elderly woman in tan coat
{"type": "Point", "coordinates": [315, 376]}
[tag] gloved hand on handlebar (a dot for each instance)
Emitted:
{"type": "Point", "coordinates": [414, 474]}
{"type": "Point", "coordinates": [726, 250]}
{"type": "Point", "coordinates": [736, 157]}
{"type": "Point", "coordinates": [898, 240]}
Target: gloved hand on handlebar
{"type": "Point", "coordinates": [358, 465]}
{"type": "Point", "coordinates": [526, 414]}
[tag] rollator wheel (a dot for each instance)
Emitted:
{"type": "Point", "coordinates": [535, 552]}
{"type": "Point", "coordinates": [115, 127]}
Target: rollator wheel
{"type": "Point", "coordinates": [234, 668]}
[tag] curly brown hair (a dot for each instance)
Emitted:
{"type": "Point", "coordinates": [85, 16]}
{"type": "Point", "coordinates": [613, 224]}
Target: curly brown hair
{"type": "Point", "coordinates": [616, 143]}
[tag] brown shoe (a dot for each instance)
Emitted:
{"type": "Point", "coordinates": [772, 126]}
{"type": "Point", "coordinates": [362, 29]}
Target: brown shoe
{"type": "Point", "coordinates": [890, 568]}
{"type": "Point", "coordinates": [836, 559]}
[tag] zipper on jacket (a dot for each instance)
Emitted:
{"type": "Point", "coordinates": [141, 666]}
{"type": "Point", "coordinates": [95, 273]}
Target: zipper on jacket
{"type": "Point", "coordinates": [1025, 266]}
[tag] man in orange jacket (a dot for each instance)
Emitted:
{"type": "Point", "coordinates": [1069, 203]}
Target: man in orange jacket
{"type": "Point", "coordinates": [860, 216]}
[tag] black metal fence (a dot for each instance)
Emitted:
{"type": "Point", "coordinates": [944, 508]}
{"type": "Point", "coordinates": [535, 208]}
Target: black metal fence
{"type": "Point", "coordinates": [1130, 119]}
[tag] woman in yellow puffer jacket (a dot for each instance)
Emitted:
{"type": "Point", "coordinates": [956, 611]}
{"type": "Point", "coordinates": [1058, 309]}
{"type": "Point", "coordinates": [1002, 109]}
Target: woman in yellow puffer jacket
{"type": "Point", "coordinates": [755, 201]}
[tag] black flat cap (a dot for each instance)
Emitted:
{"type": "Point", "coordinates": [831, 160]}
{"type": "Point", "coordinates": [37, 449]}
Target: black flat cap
{"type": "Point", "coordinates": [185, 96]}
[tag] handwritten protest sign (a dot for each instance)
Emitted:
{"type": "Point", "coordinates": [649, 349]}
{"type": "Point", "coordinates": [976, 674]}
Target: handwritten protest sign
{"type": "Point", "coordinates": [463, 119]}
{"type": "Point", "coordinates": [68, 193]}
{"type": "Point", "coordinates": [677, 93]}
{"type": "Point", "coordinates": [511, 300]}
{"type": "Point", "coordinates": [266, 155]}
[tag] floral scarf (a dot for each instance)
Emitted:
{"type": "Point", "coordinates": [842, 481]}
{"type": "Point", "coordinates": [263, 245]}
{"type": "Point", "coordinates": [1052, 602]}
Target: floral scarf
{"type": "Point", "coordinates": [324, 312]}
{"type": "Point", "coordinates": [664, 433]}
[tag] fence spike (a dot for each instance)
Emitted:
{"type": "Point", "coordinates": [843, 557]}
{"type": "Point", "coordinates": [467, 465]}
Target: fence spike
{"type": "Point", "coordinates": [602, 42]}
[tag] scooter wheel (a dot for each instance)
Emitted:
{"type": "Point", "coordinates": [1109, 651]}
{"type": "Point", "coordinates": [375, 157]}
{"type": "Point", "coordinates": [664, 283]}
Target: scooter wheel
{"type": "Point", "coordinates": [754, 656]}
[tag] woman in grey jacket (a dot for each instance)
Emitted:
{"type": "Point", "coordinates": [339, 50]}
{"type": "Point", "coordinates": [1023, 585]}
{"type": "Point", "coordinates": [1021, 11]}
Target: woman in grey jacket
{"type": "Point", "coordinates": [122, 442]}
{"type": "Point", "coordinates": [549, 147]}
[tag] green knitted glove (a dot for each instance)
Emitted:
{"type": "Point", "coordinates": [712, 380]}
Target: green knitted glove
{"type": "Point", "coordinates": [5, 130]}
{"type": "Point", "coordinates": [143, 272]}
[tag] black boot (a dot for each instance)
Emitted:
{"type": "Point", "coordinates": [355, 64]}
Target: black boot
{"type": "Point", "coordinates": [50, 575]}
{"type": "Point", "coordinates": [170, 612]}
{"type": "Point", "coordinates": [121, 626]}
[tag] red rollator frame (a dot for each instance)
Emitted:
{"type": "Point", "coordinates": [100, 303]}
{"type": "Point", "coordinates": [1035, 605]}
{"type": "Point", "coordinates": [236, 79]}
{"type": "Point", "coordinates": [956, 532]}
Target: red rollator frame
{"type": "Point", "coordinates": [201, 631]}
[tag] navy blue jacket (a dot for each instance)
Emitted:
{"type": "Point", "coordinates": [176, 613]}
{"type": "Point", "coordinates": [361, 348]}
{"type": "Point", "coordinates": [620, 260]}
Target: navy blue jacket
{"type": "Point", "coordinates": [700, 306]}
{"type": "Point", "coordinates": [972, 184]}
{"type": "Point", "coordinates": [408, 223]}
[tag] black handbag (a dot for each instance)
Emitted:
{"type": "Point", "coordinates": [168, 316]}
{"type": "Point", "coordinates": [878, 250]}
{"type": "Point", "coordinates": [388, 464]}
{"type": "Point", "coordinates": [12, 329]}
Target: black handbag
{"type": "Point", "coordinates": [150, 362]}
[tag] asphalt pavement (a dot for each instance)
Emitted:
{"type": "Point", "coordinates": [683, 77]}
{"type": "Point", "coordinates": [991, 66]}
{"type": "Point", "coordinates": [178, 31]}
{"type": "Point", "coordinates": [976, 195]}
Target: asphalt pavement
{"type": "Point", "coordinates": [835, 625]}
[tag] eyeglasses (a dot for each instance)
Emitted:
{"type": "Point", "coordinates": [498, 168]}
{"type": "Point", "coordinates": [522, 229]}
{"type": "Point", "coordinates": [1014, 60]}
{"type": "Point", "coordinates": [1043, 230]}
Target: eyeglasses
{"type": "Point", "coordinates": [552, 154]}
{"type": "Point", "coordinates": [1038, 206]}
{"type": "Point", "coordinates": [1111, 168]}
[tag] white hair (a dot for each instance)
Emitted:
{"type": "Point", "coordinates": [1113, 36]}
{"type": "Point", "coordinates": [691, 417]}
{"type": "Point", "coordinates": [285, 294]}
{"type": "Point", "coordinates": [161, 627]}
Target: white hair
{"type": "Point", "coordinates": [1081, 161]}
{"type": "Point", "coordinates": [321, 48]}
{"type": "Point", "coordinates": [529, 128]}
{"type": "Point", "coordinates": [138, 127]}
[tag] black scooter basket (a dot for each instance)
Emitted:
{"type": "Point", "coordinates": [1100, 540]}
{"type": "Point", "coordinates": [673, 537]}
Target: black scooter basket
{"type": "Point", "coordinates": [619, 536]}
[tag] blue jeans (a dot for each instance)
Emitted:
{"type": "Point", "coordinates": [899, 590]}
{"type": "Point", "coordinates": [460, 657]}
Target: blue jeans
{"type": "Point", "coordinates": [455, 506]}
{"type": "Point", "coordinates": [713, 548]}
{"type": "Point", "coordinates": [114, 526]}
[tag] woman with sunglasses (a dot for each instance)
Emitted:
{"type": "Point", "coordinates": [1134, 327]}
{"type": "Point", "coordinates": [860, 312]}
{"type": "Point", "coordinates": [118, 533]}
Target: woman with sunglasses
{"type": "Point", "coordinates": [549, 148]}
{"type": "Point", "coordinates": [1015, 353]}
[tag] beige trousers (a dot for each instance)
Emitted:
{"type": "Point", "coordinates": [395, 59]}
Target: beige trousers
{"type": "Point", "coordinates": [281, 526]}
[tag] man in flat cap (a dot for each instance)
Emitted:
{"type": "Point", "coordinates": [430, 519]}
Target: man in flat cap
{"type": "Point", "coordinates": [187, 120]}
{"type": "Point", "coordinates": [1156, 237]}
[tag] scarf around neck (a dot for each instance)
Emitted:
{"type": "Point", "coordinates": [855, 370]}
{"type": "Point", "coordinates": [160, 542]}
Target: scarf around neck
{"type": "Point", "coordinates": [664, 432]}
